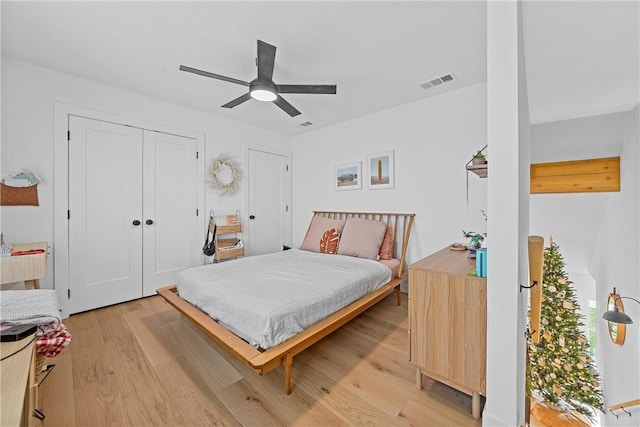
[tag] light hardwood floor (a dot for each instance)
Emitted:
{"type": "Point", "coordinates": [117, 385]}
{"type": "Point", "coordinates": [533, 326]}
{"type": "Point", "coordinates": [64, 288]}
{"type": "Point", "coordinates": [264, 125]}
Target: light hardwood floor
{"type": "Point", "coordinates": [141, 364]}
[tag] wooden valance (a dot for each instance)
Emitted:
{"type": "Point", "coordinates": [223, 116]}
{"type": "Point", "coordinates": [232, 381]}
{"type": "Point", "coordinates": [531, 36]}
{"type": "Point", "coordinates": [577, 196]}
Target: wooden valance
{"type": "Point", "coordinates": [577, 176]}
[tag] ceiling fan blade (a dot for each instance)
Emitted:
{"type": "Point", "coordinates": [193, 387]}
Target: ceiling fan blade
{"type": "Point", "coordinates": [288, 108]}
{"type": "Point", "coordinates": [318, 89]}
{"type": "Point", "coordinates": [239, 100]}
{"type": "Point", "coordinates": [266, 60]}
{"type": "Point", "coordinates": [212, 75]}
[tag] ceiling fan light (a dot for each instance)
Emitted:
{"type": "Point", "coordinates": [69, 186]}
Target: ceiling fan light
{"type": "Point", "coordinates": [263, 94]}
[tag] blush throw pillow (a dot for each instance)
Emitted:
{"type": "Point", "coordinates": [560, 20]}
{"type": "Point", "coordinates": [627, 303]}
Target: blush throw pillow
{"type": "Point", "coordinates": [319, 225]}
{"type": "Point", "coordinates": [362, 238]}
{"type": "Point", "coordinates": [329, 242]}
{"type": "Point", "coordinates": [386, 246]}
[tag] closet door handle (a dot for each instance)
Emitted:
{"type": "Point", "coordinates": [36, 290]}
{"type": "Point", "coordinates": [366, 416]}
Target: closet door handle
{"type": "Point", "coordinates": [149, 222]}
{"type": "Point", "coordinates": [136, 222]}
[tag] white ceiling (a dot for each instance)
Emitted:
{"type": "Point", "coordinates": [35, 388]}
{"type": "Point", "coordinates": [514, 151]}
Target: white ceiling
{"type": "Point", "coordinates": [581, 57]}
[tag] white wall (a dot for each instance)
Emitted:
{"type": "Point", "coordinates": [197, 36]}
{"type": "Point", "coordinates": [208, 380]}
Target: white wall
{"type": "Point", "coordinates": [508, 200]}
{"type": "Point", "coordinates": [574, 220]}
{"type": "Point", "coordinates": [616, 262]}
{"type": "Point", "coordinates": [432, 139]}
{"type": "Point", "coordinates": [588, 137]}
{"type": "Point", "coordinates": [29, 94]}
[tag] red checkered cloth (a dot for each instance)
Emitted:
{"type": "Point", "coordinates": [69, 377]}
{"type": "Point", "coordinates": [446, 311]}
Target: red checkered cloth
{"type": "Point", "coordinates": [51, 344]}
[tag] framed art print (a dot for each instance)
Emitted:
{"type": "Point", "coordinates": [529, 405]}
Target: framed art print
{"type": "Point", "coordinates": [348, 177]}
{"type": "Point", "coordinates": [381, 171]}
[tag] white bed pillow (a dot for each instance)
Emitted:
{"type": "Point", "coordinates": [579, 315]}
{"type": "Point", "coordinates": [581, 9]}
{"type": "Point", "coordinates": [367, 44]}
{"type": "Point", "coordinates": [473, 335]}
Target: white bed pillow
{"type": "Point", "coordinates": [319, 225]}
{"type": "Point", "coordinates": [362, 238]}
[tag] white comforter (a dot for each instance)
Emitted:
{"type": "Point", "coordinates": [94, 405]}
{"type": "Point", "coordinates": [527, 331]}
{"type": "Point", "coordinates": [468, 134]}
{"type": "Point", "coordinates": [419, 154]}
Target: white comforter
{"type": "Point", "coordinates": [266, 299]}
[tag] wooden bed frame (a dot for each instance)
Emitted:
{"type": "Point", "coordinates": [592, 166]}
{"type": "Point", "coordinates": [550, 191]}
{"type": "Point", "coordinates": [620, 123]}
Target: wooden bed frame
{"type": "Point", "coordinates": [263, 361]}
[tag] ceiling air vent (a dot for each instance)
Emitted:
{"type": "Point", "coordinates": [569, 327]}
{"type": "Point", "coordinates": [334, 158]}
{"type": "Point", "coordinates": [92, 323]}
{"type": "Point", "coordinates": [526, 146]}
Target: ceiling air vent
{"type": "Point", "coordinates": [437, 81]}
{"type": "Point", "coordinates": [305, 124]}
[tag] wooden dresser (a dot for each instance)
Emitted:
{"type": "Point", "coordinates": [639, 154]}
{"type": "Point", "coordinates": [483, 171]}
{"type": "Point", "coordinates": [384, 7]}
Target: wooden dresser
{"type": "Point", "coordinates": [18, 387]}
{"type": "Point", "coordinates": [448, 323]}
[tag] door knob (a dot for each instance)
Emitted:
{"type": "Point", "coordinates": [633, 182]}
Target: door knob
{"type": "Point", "coordinates": [252, 217]}
{"type": "Point", "coordinates": [136, 222]}
{"type": "Point", "coordinates": [149, 222]}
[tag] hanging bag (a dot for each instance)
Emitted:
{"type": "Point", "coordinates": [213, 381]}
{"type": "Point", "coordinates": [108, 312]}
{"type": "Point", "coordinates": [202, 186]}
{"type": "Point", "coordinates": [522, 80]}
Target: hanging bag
{"type": "Point", "coordinates": [209, 247]}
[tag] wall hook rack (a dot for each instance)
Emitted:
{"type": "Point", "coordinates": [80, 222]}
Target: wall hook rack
{"type": "Point", "coordinates": [618, 416]}
{"type": "Point", "coordinates": [622, 406]}
{"type": "Point", "coordinates": [529, 332]}
{"type": "Point", "coordinates": [534, 283]}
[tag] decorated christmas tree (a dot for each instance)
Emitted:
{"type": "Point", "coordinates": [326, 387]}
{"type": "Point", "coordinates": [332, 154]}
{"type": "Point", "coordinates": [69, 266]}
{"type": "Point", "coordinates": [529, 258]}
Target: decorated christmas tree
{"type": "Point", "coordinates": [561, 373]}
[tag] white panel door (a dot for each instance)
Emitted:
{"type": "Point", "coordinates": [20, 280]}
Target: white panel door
{"type": "Point", "coordinates": [169, 207]}
{"type": "Point", "coordinates": [267, 202]}
{"type": "Point", "coordinates": [105, 213]}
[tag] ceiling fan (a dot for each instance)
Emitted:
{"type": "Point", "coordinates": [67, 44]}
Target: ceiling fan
{"type": "Point", "coordinates": [263, 88]}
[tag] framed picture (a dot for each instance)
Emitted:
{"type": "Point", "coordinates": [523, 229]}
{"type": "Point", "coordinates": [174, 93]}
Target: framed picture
{"type": "Point", "coordinates": [381, 171]}
{"type": "Point", "coordinates": [348, 177]}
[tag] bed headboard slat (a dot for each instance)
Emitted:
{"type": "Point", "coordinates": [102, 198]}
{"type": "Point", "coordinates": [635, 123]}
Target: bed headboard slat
{"type": "Point", "coordinates": [400, 224]}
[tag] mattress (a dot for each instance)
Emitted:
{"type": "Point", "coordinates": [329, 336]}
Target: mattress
{"type": "Point", "coordinates": [266, 299]}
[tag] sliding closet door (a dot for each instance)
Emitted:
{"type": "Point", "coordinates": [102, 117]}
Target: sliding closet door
{"type": "Point", "coordinates": [105, 213]}
{"type": "Point", "coordinates": [169, 207]}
